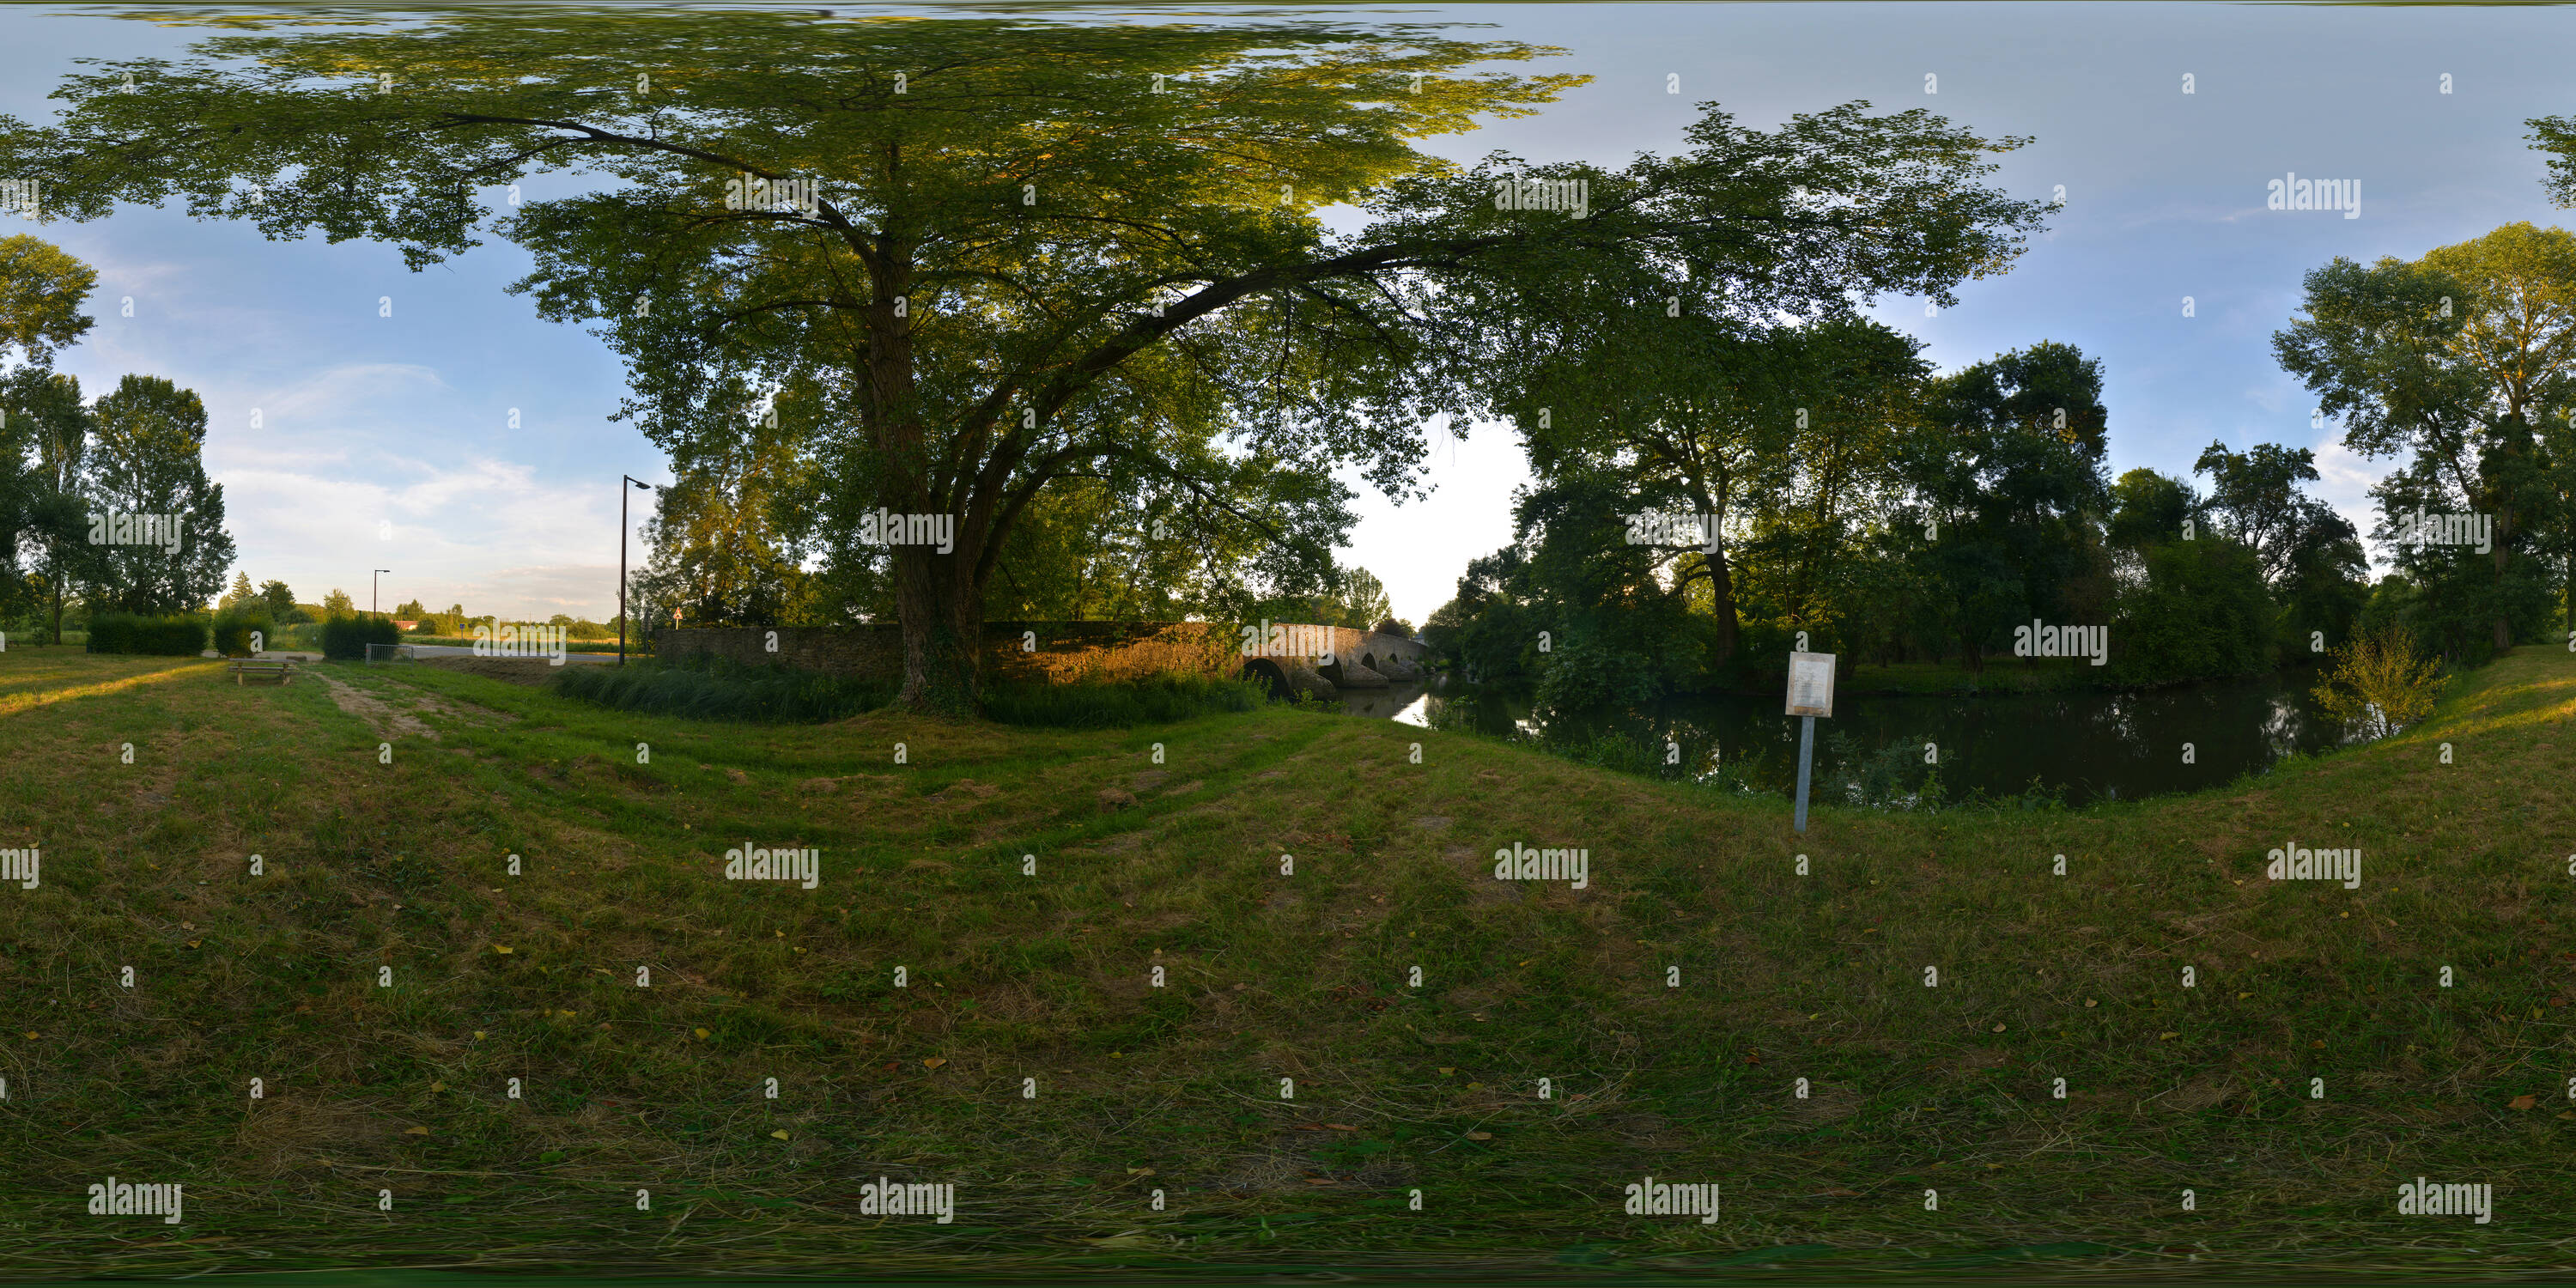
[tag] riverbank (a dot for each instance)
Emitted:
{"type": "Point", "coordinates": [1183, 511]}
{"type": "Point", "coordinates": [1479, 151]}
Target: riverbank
{"type": "Point", "coordinates": [1288, 1087]}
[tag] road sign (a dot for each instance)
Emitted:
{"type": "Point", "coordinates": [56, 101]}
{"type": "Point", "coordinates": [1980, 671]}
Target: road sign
{"type": "Point", "coordinates": [1811, 694]}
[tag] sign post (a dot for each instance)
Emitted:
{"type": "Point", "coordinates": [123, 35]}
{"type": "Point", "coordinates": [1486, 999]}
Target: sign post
{"type": "Point", "coordinates": [1811, 694]}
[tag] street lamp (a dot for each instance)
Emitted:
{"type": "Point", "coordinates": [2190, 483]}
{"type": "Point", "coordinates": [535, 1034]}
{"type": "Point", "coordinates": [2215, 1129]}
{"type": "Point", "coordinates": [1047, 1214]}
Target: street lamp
{"type": "Point", "coordinates": [371, 590]}
{"type": "Point", "coordinates": [621, 563]}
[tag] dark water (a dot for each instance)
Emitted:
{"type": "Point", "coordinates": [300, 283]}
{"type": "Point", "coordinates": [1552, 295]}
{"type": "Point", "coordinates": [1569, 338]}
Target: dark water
{"type": "Point", "coordinates": [2080, 745]}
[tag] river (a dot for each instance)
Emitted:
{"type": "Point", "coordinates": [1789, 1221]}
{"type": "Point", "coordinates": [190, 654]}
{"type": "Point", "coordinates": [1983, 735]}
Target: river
{"type": "Point", "coordinates": [2079, 746]}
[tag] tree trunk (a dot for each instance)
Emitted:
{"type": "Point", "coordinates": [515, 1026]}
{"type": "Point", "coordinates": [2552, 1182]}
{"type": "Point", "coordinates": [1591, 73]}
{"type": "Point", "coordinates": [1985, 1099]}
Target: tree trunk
{"type": "Point", "coordinates": [1721, 593]}
{"type": "Point", "coordinates": [942, 612]}
{"type": "Point", "coordinates": [2503, 536]}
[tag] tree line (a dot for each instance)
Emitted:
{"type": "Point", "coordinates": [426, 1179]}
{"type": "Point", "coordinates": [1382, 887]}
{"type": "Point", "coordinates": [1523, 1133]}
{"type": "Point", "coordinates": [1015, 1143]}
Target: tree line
{"type": "Point", "coordinates": [1068, 290]}
{"type": "Point", "coordinates": [105, 506]}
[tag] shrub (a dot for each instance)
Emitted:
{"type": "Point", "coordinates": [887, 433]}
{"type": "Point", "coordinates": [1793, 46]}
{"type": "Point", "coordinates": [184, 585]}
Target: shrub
{"type": "Point", "coordinates": [2378, 684]}
{"type": "Point", "coordinates": [234, 629]}
{"type": "Point", "coordinates": [719, 689]}
{"type": "Point", "coordinates": [147, 636]}
{"type": "Point", "coordinates": [347, 637]}
{"type": "Point", "coordinates": [1117, 706]}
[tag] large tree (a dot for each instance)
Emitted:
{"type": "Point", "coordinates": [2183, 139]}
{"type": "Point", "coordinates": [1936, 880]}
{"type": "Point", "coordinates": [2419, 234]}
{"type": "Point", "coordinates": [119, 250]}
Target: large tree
{"type": "Point", "coordinates": [148, 458]}
{"type": "Point", "coordinates": [2011, 478]}
{"type": "Point", "coordinates": [43, 426]}
{"type": "Point", "coordinates": [2454, 362]}
{"type": "Point", "coordinates": [1027, 248]}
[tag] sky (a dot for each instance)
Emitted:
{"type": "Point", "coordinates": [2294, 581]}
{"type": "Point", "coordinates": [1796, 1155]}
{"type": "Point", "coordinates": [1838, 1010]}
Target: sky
{"type": "Point", "coordinates": [388, 442]}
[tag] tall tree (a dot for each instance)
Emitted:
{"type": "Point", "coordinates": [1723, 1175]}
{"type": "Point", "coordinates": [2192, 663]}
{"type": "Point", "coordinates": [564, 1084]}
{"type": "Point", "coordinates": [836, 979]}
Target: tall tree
{"type": "Point", "coordinates": [2012, 480]}
{"type": "Point", "coordinates": [2452, 361]}
{"type": "Point", "coordinates": [43, 427]}
{"type": "Point", "coordinates": [1027, 238]}
{"type": "Point", "coordinates": [149, 459]}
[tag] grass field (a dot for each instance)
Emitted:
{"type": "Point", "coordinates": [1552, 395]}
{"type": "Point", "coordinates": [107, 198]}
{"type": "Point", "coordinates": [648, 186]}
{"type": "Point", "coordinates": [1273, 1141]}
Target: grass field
{"type": "Point", "coordinates": [371, 866]}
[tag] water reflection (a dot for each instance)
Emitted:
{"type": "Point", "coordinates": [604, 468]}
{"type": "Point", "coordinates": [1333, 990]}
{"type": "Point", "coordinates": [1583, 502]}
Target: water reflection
{"type": "Point", "coordinates": [2078, 746]}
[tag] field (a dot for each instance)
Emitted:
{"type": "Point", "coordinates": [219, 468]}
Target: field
{"type": "Point", "coordinates": [1671, 1005]}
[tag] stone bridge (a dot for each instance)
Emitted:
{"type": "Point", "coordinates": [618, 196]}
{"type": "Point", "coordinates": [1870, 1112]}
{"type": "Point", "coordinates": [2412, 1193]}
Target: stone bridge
{"type": "Point", "coordinates": [1321, 661]}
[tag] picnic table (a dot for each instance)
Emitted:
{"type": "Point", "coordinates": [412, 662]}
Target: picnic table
{"type": "Point", "coordinates": [278, 670]}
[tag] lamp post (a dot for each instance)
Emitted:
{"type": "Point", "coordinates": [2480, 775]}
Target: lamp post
{"type": "Point", "coordinates": [371, 590]}
{"type": "Point", "coordinates": [621, 562]}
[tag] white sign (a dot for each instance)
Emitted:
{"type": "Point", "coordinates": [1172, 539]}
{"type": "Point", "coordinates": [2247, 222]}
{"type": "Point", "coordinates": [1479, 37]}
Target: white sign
{"type": "Point", "coordinates": [1811, 684]}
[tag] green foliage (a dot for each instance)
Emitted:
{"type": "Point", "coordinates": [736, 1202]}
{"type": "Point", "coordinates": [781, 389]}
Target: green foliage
{"type": "Point", "coordinates": [346, 636]}
{"type": "Point", "coordinates": [148, 636]}
{"type": "Point", "coordinates": [234, 627]}
{"type": "Point", "coordinates": [1223, 344]}
{"type": "Point", "coordinates": [41, 289]}
{"type": "Point", "coordinates": [2200, 613]}
{"type": "Point", "coordinates": [147, 457]}
{"type": "Point", "coordinates": [2378, 684]}
{"type": "Point", "coordinates": [1118, 706]}
{"type": "Point", "coordinates": [718, 689]}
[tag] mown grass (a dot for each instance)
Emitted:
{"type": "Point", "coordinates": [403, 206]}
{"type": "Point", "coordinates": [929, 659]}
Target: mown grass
{"type": "Point", "coordinates": [1162, 846]}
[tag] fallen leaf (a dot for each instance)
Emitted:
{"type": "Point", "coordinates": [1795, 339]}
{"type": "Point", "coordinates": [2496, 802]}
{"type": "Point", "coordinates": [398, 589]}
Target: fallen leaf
{"type": "Point", "coordinates": [415, 1131]}
{"type": "Point", "coordinates": [2319, 1044]}
{"type": "Point", "coordinates": [1444, 1072]}
{"type": "Point", "coordinates": [2523, 1102]}
{"type": "Point", "coordinates": [778, 1135]}
{"type": "Point", "coordinates": [1140, 1171]}
{"type": "Point", "coordinates": [2166, 1037]}
{"type": "Point", "coordinates": [500, 948]}
{"type": "Point", "coordinates": [194, 942]}
{"type": "Point", "coordinates": [933, 1062]}
{"type": "Point", "coordinates": [438, 1086]}
{"type": "Point", "coordinates": [1999, 1028]}
{"type": "Point", "coordinates": [1321, 1180]}
{"type": "Point", "coordinates": [478, 1035]}
{"type": "Point", "coordinates": [2089, 1003]}
{"type": "Point", "coordinates": [702, 1033]}
{"type": "Point", "coordinates": [1480, 1135]}
{"type": "Point", "coordinates": [1345, 1127]}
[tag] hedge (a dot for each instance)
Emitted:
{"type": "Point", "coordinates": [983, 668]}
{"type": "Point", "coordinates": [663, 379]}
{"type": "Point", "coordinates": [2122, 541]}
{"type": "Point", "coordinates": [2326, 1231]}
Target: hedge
{"type": "Point", "coordinates": [348, 637]}
{"type": "Point", "coordinates": [149, 636]}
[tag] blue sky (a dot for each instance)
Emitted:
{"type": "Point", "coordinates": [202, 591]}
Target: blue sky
{"type": "Point", "coordinates": [368, 421]}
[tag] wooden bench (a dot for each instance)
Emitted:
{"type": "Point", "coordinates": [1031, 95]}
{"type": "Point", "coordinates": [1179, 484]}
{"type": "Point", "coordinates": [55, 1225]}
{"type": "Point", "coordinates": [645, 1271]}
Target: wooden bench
{"type": "Point", "coordinates": [265, 670]}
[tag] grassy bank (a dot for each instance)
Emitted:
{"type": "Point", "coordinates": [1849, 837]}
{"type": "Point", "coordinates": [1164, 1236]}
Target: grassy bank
{"type": "Point", "coordinates": [1176, 863]}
